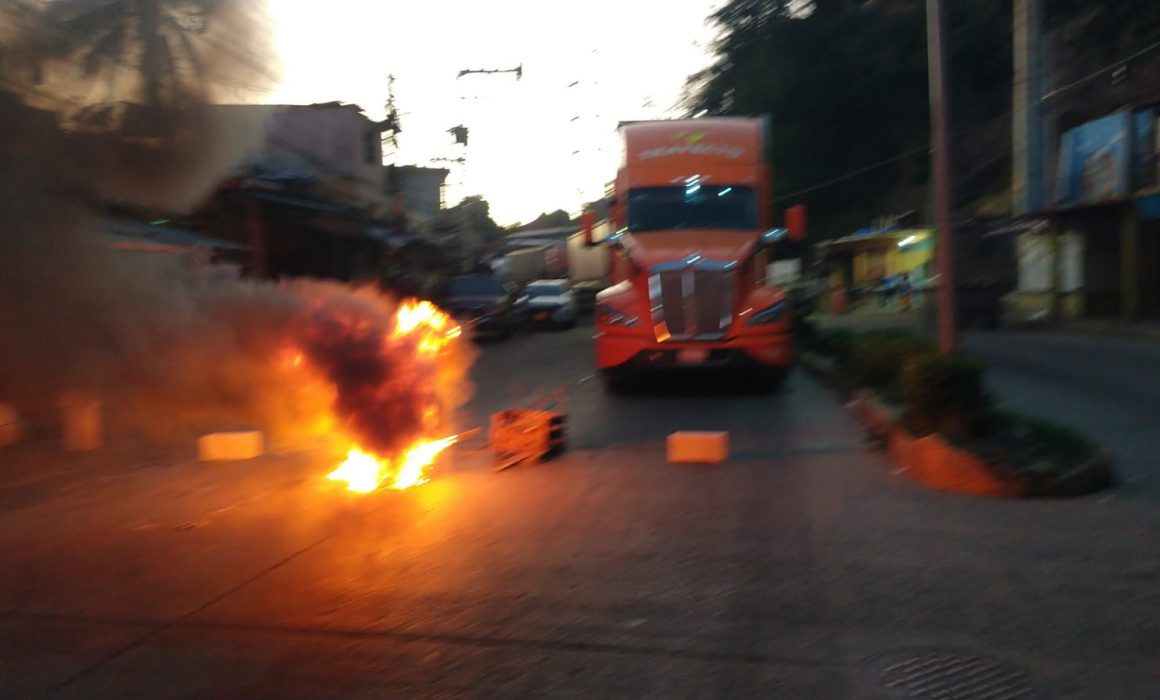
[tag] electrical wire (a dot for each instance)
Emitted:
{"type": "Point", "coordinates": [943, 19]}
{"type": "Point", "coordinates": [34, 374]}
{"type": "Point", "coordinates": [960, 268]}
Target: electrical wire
{"type": "Point", "coordinates": [886, 161]}
{"type": "Point", "coordinates": [852, 174]}
{"type": "Point", "coordinates": [915, 151]}
{"type": "Point", "coordinates": [1095, 74]}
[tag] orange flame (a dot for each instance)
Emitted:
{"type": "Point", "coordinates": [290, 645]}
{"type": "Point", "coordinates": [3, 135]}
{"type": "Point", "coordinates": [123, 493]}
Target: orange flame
{"type": "Point", "coordinates": [425, 328]}
{"type": "Point", "coordinates": [434, 328]}
{"type": "Point", "coordinates": [364, 472]}
{"type": "Point", "coordinates": [361, 471]}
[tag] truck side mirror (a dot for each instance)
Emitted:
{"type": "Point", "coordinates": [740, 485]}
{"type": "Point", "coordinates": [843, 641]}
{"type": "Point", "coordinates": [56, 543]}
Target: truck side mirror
{"type": "Point", "coordinates": [795, 222]}
{"type": "Point", "coordinates": [587, 224]}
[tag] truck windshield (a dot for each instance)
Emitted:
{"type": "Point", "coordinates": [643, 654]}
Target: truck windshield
{"type": "Point", "coordinates": [691, 206]}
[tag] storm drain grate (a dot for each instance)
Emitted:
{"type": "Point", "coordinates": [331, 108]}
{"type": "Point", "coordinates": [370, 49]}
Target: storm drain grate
{"type": "Point", "coordinates": [950, 676]}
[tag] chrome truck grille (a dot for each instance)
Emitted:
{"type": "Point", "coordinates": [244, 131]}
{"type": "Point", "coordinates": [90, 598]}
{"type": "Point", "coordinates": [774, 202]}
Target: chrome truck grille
{"type": "Point", "coordinates": [691, 299]}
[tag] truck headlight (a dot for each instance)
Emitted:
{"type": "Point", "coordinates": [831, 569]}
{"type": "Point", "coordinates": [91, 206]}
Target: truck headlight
{"type": "Point", "coordinates": [607, 313]}
{"type": "Point", "coordinates": [769, 315]}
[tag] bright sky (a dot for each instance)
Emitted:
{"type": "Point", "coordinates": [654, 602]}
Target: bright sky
{"type": "Point", "coordinates": [526, 152]}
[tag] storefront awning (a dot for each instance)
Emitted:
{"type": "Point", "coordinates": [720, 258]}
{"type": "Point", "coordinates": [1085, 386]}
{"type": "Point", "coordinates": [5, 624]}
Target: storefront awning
{"type": "Point", "coordinates": [1021, 226]}
{"type": "Point", "coordinates": [136, 235]}
{"type": "Point", "coordinates": [869, 240]}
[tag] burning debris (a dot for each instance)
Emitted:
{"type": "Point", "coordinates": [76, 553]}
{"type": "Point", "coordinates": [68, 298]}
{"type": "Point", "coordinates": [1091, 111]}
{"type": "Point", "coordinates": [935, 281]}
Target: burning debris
{"type": "Point", "coordinates": [365, 472]}
{"type": "Point", "coordinates": [395, 377]}
{"type": "Point", "coordinates": [111, 101]}
{"type": "Point", "coordinates": [523, 435]}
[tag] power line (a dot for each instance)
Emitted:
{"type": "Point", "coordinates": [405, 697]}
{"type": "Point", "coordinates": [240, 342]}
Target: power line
{"type": "Point", "coordinates": [852, 174]}
{"type": "Point", "coordinates": [884, 162]}
{"type": "Point", "coordinates": [900, 156]}
{"type": "Point", "coordinates": [1095, 74]}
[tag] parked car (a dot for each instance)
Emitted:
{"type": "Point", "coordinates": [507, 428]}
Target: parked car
{"type": "Point", "coordinates": [484, 305]}
{"type": "Point", "coordinates": [552, 302]}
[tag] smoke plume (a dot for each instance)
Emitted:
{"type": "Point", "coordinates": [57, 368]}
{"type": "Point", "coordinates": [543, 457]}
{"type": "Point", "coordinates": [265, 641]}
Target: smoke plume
{"type": "Point", "coordinates": [112, 101]}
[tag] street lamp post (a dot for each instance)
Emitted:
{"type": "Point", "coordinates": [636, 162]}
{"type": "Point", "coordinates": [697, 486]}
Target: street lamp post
{"type": "Point", "coordinates": [940, 142]}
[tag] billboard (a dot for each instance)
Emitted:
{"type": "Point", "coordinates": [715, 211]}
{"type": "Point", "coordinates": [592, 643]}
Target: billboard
{"type": "Point", "coordinates": [1094, 161]}
{"type": "Point", "coordinates": [1145, 145]}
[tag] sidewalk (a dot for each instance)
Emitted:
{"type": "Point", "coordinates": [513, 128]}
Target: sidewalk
{"type": "Point", "coordinates": [1138, 330]}
{"type": "Point", "coordinates": [873, 318]}
{"type": "Point", "coordinates": [919, 320]}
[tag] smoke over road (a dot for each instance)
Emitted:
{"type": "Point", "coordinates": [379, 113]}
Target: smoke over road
{"type": "Point", "coordinates": [112, 101]}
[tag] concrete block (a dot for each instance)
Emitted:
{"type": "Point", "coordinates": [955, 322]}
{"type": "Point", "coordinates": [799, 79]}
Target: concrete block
{"type": "Point", "coordinates": [698, 447]}
{"type": "Point", "coordinates": [82, 424]}
{"type": "Point", "coordinates": [11, 427]}
{"type": "Point", "coordinates": [221, 447]}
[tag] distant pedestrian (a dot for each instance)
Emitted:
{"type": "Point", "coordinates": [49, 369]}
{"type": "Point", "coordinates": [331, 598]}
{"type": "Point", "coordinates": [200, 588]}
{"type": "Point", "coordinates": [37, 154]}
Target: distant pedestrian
{"type": "Point", "coordinates": [904, 291]}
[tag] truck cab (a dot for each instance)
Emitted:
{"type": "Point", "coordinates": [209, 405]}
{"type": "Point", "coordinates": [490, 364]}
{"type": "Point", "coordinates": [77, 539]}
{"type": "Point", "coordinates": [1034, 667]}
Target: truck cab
{"type": "Point", "coordinates": [689, 256]}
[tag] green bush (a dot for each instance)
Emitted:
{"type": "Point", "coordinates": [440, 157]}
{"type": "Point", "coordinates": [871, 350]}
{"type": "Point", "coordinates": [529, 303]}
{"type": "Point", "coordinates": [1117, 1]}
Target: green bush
{"type": "Point", "coordinates": [1049, 459]}
{"type": "Point", "coordinates": [805, 332]}
{"type": "Point", "coordinates": [834, 343]}
{"type": "Point", "coordinates": [876, 359]}
{"type": "Point", "coordinates": [1060, 443]}
{"type": "Point", "coordinates": [943, 394]}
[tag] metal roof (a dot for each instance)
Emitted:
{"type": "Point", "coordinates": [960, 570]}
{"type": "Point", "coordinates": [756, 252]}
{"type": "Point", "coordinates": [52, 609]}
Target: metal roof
{"type": "Point", "coordinates": [161, 236]}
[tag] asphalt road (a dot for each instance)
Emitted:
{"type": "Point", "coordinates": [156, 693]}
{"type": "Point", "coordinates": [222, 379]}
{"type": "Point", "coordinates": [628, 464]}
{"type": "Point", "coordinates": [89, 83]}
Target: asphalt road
{"type": "Point", "coordinates": [802, 568]}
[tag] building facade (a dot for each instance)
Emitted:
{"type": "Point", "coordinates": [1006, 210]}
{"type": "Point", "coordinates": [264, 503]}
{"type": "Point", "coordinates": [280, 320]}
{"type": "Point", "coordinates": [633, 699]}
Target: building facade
{"type": "Point", "coordinates": [309, 199]}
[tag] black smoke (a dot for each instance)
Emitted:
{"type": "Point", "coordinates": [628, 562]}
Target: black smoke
{"type": "Point", "coordinates": [170, 349]}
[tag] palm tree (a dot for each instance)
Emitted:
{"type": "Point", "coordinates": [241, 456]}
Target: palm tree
{"type": "Point", "coordinates": [154, 39]}
{"type": "Point", "coordinates": [153, 59]}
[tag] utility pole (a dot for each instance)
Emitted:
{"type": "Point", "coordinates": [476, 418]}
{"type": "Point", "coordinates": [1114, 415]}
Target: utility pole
{"type": "Point", "coordinates": [1030, 127]}
{"type": "Point", "coordinates": [940, 142]}
{"type": "Point", "coordinates": [1027, 171]}
{"type": "Point", "coordinates": [390, 125]}
{"type": "Point", "coordinates": [460, 134]}
{"type": "Point", "coordinates": [391, 122]}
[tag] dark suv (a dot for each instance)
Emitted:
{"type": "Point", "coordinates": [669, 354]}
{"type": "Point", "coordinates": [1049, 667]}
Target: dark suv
{"type": "Point", "coordinates": [483, 304]}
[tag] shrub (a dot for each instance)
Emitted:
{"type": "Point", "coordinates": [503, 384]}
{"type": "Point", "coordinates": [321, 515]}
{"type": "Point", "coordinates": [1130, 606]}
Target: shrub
{"type": "Point", "coordinates": [876, 359]}
{"type": "Point", "coordinates": [1049, 459]}
{"type": "Point", "coordinates": [834, 343]}
{"type": "Point", "coordinates": [1061, 443]}
{"type": "Point", "coordinates": [943, 393]}
{"type": "Point", "coordinates": [805, 332]}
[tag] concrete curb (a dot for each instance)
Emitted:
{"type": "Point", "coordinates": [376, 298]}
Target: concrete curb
{"type": "Point", "coordinates": [930, 460]}
{"type": "Point", "coordinates": [1104, 329]}
{"type": "Point", "coordinates": [934, 463]}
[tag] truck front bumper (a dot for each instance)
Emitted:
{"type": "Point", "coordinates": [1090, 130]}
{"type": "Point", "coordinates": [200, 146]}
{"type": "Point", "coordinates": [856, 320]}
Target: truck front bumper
{"type": "Point", "coordinates": [635, 352]}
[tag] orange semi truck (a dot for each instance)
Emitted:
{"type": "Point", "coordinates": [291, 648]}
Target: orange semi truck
{"type": "Point", "coordinates": [692, 242]}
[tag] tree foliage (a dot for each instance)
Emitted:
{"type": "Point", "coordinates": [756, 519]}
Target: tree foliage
{"type": "Point", "coordinates": [470, 219]}
{"type": "Point", "coordinates": [163, 55]}
{"type": "Point", "coordinates": [1087, 38]}
{"type": "Point", "coordinates": [555, 219]}
{"type": "Point", "coordinates": [845, 83]}
{"type": "Point", "coordinates": [153, 37]}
